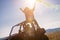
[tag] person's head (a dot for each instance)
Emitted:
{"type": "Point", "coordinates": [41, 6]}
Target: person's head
{"type": "Point", "coordinates": [26, 9]}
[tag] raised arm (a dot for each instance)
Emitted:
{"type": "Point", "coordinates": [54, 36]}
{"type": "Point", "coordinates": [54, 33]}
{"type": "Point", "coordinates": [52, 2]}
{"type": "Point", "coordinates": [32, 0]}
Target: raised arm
{"type": "Point", "coordinates": [21, 9]}
{"type": "Point", "coordinates": [34, 6]}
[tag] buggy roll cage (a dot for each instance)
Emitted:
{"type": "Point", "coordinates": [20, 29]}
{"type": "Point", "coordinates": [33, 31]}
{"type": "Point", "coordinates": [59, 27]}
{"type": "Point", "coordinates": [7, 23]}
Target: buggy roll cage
{"type": "Point", "coordinates": [19, 24]}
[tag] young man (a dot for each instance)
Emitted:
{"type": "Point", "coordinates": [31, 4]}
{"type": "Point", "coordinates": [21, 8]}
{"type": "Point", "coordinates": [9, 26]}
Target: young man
{"type": "Point", "coordinates": [30, 16]}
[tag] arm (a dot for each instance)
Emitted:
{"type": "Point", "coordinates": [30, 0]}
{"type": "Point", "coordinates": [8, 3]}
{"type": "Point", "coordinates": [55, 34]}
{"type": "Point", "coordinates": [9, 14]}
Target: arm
{"type": "Point", "coordinates": [21, 9]}
{"type": "Point", "coordinates": [34, 6]}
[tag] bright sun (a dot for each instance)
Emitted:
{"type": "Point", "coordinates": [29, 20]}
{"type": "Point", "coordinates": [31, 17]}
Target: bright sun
{"type": "Point", "coordinates": [30, 3]}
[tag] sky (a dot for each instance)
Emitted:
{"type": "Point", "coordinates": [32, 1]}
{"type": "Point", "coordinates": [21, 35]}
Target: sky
{"type": "Point", "coordinates": [48, 17]}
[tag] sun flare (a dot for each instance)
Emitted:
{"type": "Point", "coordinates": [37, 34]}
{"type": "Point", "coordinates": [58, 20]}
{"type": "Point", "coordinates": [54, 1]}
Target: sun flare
{"type": "Point", "coordinates": [30, 3]}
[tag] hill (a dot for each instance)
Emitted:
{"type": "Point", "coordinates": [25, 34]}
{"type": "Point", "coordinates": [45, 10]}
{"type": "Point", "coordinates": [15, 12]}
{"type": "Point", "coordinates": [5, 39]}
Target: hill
{"type": "Point", "coordinates": [52, 30]}
{"type": "Point", "coordinates": [54, 35]}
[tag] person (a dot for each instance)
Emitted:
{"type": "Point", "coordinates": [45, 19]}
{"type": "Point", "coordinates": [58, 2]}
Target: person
{"type": "Point", "coordinates": [28, 13]}
{"type": "Point", "coordinates": [30, 16]}
{"type": "Point", "coordinates": [31, 27]}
